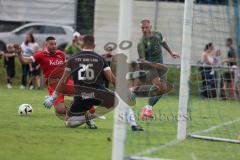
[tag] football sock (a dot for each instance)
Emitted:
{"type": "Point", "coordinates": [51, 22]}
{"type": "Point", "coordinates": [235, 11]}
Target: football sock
{"type": "Point", "coordinates": [149, 107]}
{"type": "Point", "coordinates": [131, 117]}
{"type": "Point", "coordinates": [153, 100]}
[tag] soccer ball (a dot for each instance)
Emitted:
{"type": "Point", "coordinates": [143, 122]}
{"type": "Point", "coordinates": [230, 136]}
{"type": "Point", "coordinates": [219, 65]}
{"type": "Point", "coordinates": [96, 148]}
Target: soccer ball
{"type": "Point", "coordinates": [25, 109]}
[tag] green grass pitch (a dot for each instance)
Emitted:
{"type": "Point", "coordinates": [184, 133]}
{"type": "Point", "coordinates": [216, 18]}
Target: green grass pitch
{"type": "Point", "coordinates": [42, 136]}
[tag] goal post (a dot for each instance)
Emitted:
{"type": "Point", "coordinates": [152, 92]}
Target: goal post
{"type": "Point", "coordinates": [124, 33]}
{"type": "Point", "coordinates": [185, 70]}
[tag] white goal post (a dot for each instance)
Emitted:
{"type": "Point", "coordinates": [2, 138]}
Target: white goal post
{"type": "Point", "coordinates": [185, 70]}
{"type": "Point", "coordinates": [124, 33]}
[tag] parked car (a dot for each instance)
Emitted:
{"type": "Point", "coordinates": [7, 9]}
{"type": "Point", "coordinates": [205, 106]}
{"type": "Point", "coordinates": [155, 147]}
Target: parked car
{"type": "Point", "coordinates": [62, 33]}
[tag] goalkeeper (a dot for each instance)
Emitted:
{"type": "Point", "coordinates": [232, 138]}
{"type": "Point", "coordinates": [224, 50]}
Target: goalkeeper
{"type": "Point", "coordinates": [149, 48]}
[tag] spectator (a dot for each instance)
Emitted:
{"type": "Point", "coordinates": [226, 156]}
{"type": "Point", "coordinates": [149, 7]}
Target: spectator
{"type": "Point", "coordinates": [207, 71]}
{"type": "Point", "coordinates": [36, 71]}
{"type": "Point", "coordinates": [44, 46]}
{"type": "Point", "coordinates": [75, 45]}
{"type": "Point", "coordinates": [228, 82]}
{"type": "Point", "coordinates": [27, 48]}
{"type": "Point", "coordinates": [217, 57]}
{"type": "Point", "coordinates": [217, 62]}
{"type": "Point", "coordinates": [9, 63]}
{"type": "Point", "coordinates": [108, 57]}
{"type": "Point", "coordinates": [1, 54]}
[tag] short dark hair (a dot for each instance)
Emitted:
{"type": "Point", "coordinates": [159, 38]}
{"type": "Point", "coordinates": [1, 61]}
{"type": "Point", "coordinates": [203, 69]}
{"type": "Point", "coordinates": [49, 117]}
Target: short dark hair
{"type": "Point", "coordinates": [50, 38]}
{"type": "Point", "coordinates": [88, 40]}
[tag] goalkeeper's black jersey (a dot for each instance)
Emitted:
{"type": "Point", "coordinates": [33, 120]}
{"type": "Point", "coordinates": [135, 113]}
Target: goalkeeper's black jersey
{"type": "Point", "coordinates": [87, 69]}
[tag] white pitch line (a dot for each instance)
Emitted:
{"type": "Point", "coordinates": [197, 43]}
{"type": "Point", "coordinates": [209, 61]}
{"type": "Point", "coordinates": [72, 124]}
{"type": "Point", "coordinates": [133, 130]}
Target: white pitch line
{"type": "Point", "coordinates": [147, 158]}
{"type": "Point", "coordinates": [216, 127]}
{"type": "Point", "coordinates": [154, 149]}
{"type": "Point", "coordinates": [174, 142]}
{"type": "Point", "coordinates": [193, 156]}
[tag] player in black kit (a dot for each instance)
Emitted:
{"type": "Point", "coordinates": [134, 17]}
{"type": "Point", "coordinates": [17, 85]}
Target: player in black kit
{"type": "Point", "coordinates": [88, 71]}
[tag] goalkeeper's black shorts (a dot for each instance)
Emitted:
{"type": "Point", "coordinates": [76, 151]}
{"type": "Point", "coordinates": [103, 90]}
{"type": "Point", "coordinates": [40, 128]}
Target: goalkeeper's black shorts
{"type": "Point", "coordinates": [86, 97]}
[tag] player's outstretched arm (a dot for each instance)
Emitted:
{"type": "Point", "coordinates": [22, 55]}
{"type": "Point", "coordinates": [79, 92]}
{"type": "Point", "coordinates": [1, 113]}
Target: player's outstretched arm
{"type": "Point", "coordinates": [173, 54]}
{"type": "Point", "coordinates": [22, 59]}
{"type": "Point", "coordinates": [49, 101]}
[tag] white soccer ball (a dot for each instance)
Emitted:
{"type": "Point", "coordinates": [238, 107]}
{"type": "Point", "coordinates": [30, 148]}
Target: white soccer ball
{"type": "Point", "coordinates": [25, 109]}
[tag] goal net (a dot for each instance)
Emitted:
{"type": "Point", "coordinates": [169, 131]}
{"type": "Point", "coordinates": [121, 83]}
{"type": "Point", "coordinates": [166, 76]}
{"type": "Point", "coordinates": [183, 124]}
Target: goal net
{"type": "Point", "coordinates": [213, 103]}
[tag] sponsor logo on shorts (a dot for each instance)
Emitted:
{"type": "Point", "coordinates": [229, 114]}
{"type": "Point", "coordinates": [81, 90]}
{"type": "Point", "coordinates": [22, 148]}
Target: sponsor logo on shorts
{"type": "Point", "coordinates": [86, 95]}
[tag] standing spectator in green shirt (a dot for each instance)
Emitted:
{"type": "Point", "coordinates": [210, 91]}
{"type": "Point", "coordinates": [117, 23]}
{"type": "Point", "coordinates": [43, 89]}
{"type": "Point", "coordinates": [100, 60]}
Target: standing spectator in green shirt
{"type": "Point", "coordinates": [74, 46]}
{"type": "Point", "coordinates": [150, 49]}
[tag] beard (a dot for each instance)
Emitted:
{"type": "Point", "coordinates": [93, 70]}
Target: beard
{"type": "Point", "coordinates": [52, 51]}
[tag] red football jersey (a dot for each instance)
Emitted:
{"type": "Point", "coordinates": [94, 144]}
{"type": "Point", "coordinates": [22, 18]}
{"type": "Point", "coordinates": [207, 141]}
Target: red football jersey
{"type": "Point", "coordinates": [48, 61]}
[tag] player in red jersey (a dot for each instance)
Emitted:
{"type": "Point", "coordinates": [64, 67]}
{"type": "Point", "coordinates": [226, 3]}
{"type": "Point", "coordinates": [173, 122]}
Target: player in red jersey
{"type": "Point", "coordinates": [48, 59]}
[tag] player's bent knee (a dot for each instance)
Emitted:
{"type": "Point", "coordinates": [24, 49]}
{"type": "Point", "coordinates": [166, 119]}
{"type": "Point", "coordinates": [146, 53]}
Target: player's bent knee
{"type": "Point", "coordinates": [60, 111]}
{"type": "Point", "coordinates": [60, 108]}
{"type": "Point", "coordinates": [70, 124]}
{"type": "Point", "coordinates": [75, 121]}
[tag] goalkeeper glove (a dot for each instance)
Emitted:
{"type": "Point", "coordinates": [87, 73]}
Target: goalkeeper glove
{"type": "Point", "coordinates": [49, 100]}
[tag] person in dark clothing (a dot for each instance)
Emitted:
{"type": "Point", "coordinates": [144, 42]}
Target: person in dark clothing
{"type": "Point", "coordinates": [9, 64]}
{"type": "Point", "coordinates": [228, 80]}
